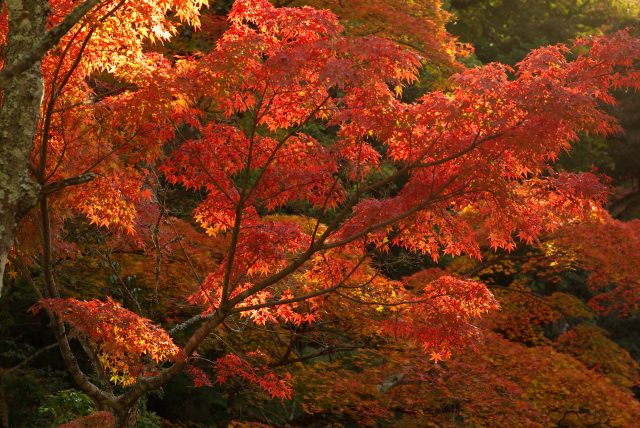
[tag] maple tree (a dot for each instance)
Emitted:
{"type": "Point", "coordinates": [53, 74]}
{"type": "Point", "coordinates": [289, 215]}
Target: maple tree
{"type": "Point", "coordinates": [500, 383]}
{"type": "Point", "coordinates": [71, 42]}
{"type": "Point", "coordinates": [391, 19]}
{"type": "Point", "coordinates": [446, 175]}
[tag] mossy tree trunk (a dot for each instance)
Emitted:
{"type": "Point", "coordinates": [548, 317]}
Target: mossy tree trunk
{"type": "Point", "coordinates": [22, 94]}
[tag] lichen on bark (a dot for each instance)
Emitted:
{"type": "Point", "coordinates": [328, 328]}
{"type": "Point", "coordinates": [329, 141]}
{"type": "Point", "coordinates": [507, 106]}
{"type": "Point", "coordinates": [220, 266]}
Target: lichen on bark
{"type": "Point", "coordinates": [21, 99]}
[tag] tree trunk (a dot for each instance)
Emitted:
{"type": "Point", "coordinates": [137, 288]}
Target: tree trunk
{"type": "Point", "coordinates": [127, 416]}
{"type": "Point", "coordinates": [21, 99]}
{"type": "Point", "coordinates": [4, 407]}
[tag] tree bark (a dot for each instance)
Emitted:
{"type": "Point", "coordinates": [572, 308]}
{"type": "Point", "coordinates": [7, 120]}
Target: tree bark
{"type": "Point", "coordinates": [127, 416]}
{"type": "Point", "coordinates": [21, 99]}
{"type": "Point", "coordinates": [4, 406]}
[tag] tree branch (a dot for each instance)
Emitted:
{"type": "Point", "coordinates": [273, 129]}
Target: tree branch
{"type": "Point", "coordinates": [50, 39]}
{"type": "Point", "coordinates": [28, 359]}
{"type": "Point", "coordinates": [72, 181]}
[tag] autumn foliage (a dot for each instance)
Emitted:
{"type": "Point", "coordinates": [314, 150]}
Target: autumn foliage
{"type": "Point", "coordinates": [121, 339]}
{"type": "Point", "coordinates": [309, 167]}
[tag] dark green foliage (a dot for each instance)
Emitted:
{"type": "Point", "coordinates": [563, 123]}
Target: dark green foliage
{"type": "Point", "coordinates": [61, 407]}
{"type": "Point", "coordinates": [505, 30]}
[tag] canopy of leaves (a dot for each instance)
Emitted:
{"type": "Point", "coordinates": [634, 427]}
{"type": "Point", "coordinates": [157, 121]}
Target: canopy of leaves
{"type": "Point", "coordinates": [305, 166]}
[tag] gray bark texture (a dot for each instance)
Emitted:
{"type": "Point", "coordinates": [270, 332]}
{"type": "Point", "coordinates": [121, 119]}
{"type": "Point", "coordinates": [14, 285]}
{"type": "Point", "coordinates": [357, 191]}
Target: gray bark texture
{"type": "Point", "coordinates": [21, 98]}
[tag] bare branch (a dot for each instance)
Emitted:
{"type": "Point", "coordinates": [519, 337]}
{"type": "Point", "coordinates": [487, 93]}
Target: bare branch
{"type": "Point", "coordinates": [71, 181]}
